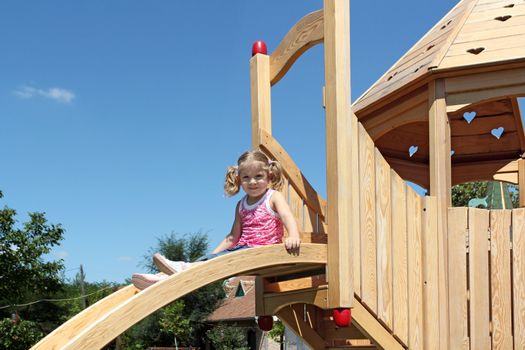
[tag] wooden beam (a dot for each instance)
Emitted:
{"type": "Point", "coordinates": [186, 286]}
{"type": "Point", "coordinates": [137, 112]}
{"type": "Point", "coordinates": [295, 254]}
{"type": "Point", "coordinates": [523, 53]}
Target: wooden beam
{"type": "Point", "coordinates": [306, 33]}
{"type": "Point", "coordinates": [260, 96]}
{"type": "Point", "coordinates": [519, 124]}
{"type": "Point", "coordinates": [370, 327]}
{"type": "Point", "coordinates": [273, 302]}
{"type": "Point", "coordinates": [291, 318]}
{"type": "Point", "coordinates": [440, 187]}
{"type": "Point", "coordinates": [295, 284]}
{"type": "Point", "coordinates": [341, 156]}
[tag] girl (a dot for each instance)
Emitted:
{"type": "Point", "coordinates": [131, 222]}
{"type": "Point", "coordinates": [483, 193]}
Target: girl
{"type": "Point", "coordinates": [259, 215]}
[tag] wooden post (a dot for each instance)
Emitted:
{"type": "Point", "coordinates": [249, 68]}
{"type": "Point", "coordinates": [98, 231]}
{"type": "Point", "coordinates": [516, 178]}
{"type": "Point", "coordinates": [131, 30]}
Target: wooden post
{"type": "Point", "coordinates": [341, 154]}
{"type": "Point", "coordinates": [521, 182]}
{"type": "Point", "coordinates": [440, 187]}
{"type": "Point", "coordinates": [260, 97]}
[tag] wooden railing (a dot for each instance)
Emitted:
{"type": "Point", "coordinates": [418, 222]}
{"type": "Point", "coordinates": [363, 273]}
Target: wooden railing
{"type": "Point", "coordinates": [487, 291]}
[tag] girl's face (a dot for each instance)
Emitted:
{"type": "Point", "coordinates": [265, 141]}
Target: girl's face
{"type": "Point", "coordinates": [254, 179]}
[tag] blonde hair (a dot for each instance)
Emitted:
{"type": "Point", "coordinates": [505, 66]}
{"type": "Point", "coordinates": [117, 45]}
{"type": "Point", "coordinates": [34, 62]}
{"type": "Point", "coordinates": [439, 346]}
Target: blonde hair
{"type": "Point", "coordinates": [273, 168]}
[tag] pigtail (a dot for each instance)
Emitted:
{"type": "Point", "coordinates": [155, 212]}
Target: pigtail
{"type": "Point", "coordinates": [231, 182]}
{"type": "Point", "coordinates": [276, 175]}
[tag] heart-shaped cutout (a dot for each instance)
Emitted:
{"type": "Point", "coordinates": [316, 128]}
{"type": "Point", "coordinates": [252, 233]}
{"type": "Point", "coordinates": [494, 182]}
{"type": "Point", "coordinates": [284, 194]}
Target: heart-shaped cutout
{"type": "Point", "coordinates": [497, 132]}
{"type": "Point", "coordinates": [412, 150]}
{"type": "Point", "coordinates": [502, 18]}
{"type": "Point", "coordinates": [476, 51]}
{"type": "Point", "coordinates": [469, 116]}
{"type": "Point", "coordinates": [452, 152]}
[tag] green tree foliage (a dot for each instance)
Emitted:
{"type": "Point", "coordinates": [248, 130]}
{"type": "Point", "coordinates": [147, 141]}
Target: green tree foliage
{"type": "Point", "coordinates": [277, 332]}
{"type": "Point", "coordinates": [226, 337]}
{"type": "Point", "coordinates": [18, 336]}
{"type": "Point", "coordinates": [462, 193]}
{"type": "Point", "coordinates": [185, 314]}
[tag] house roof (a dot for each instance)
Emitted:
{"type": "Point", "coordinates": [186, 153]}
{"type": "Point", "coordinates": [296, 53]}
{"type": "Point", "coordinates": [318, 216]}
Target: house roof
{"type": "Point", "coordinates": [234, 307]}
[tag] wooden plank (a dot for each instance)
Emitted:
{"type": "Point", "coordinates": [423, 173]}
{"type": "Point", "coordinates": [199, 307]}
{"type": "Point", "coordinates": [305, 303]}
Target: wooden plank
{"type": "Point", "coordinates": [340, 162]}
{"type": "Point", "coordinates": [481, 35]}
{"type": "Point", "coordinates": [519, 123]}
{"type": "Point", "coordinates": [417, 114]}
{"type": "Point", "coordinates": [309, 219]}
{"type": "Point", "coordinates": [521, 181]}
{"type": "Point", "coordinates": [368, 325]}
{"type": "Point", "coordinates": [493, 44]}
{"type": "Point", "coordinates": [486, 80]}
{"type": "Point", "coordinates": [306, 33]}
{"type": "Point", "coordinates": [367, 220]}
{"type": "Point", "coordinates": [486, 56]}
{"type": "Point", "coordinates": [479, 278]}
{"type": "Point", "coordinates": [477, 144]}
{"type": "Point", "coordinates": [457, 259]}
{"type": "Point", "coordinates": [399, 258]}
{"type": "Point", "coordinates": [384, 239]}
{"type": "Point", "coordinates": [490, 14]}
{"type": "Point", "coordinates": [479, 170]}
{"type": "Point", "coordinates": [415, 289]}
{"type": "Point", "coordinates": [295, 284]}
{"type": "Point", "coordinates": [500, 279]}
{"type": "Point", "coordinates": [260, 97]}
{"type": "Point", "coordinates": [440, 185]}
{"type": "Point", "coordinates": [482, 125]}
{"type": "Point", "coordinates": [430, 274]}
{"type": "Point", "coordinates": [518, 276]}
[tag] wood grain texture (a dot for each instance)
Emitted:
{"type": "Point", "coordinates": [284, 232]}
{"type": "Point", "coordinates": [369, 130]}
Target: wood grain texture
{"type": "Point", "coordinates": [518, 271]}
{"type": "Point", "coordinates": [260, 94]}
{"type": "Point", "coordinates": [457, 259]}
{"type": "Point", "coordinates": [399, 257]}
{"type": "Point", "coordinates": [430, 264]}
{"type": "Point", "coordinates": [384, 239]}
{"type": "Point", "coordinates": [415, 288]}
{"type": "Point", "coordinates": [60, 336]}
{"type": "Point", "coordinates": [290, 317]}
{"type": "Point", "coordinates": [368, 220]}
{"type": "Point", "coordinates": [479, 279]}
{"type": "Point", "coordinates": [117, 320]}
{"type": "Point", "coordinates": [500, 279]}
{"type": "Point", "coordinates": [305, 34]}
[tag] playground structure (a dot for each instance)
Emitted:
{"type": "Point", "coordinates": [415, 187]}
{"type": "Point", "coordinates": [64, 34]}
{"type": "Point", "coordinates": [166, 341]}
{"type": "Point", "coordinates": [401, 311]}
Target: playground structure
{"type": "Point", "coordinates": [415, 272]}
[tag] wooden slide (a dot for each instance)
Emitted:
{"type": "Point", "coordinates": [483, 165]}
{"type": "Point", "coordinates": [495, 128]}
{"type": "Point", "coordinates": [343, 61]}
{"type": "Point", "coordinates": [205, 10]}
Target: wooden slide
{"type": "Point", "coordinates": [99, 324]}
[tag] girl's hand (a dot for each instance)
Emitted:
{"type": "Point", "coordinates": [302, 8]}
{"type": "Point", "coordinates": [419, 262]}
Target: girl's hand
{"type": "Point", "coordinates": [292, 244]}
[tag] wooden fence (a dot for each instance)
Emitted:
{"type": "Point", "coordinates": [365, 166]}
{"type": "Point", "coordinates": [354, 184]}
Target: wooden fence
{"type": "Point", "coordinates": [487, 278]}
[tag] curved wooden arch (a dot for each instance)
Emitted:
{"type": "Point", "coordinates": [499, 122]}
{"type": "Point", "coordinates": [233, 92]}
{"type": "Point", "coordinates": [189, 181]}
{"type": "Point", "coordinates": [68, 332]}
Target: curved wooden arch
{"type": "Point", "coordinates": [93, 332]}
{"type": "Point", "coordinates": [306, 33]}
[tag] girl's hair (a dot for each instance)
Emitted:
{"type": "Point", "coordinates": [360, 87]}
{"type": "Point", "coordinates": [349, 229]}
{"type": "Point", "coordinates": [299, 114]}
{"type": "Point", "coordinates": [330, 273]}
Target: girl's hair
{"type": "Point", "coordinates": [272, 167]}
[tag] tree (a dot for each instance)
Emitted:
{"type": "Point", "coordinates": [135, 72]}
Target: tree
{"type": "Point", "coordinates": [26, 277]}
{"type": "Point", "coordinates": [228, 337]}
{"type": "Point", "coordinates": [462, 193]}
{"type": "Point", "coordinates": [19, 335]}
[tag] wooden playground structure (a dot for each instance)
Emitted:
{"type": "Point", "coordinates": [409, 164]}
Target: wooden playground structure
{"type": "Point", "coordinates": [416, 273]}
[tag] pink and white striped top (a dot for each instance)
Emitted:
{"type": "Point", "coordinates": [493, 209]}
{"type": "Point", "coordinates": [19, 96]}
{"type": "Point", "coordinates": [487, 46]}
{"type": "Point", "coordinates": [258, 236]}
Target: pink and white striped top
{"type": "Point", "coordinates": [260, 225]}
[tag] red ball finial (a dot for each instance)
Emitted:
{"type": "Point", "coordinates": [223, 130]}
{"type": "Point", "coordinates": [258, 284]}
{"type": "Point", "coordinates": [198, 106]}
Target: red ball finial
{"type": "Point", "coordinates": [342, 317]}
{"type": "Point", "coordinates": [259, 47]}
{"type": "Point", "coordinates": [265, 323]}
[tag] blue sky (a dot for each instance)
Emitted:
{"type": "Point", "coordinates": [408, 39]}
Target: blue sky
{"type": "Point", "coordinates": [119, 118]}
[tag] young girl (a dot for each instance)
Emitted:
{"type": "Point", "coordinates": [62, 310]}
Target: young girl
{"type": "Point", "coordinates": [259, 215]}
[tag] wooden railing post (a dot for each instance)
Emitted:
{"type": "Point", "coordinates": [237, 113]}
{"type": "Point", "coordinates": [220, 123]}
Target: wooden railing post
{"type": "Point", "coordinates": [440, 187]}
{"type": "Point", "coordinates": [260, 97]}
{"type": "Point", "coordinates": [341, 154]}
{"type": "Point", "coordinates": [521, 182]}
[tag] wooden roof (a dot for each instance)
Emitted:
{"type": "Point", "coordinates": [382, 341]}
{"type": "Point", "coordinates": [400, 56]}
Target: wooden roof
{"type": "Point", "coordinates": [477, 53]}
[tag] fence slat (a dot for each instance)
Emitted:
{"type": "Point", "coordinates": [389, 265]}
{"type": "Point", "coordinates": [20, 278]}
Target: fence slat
{"type": "Point", "coordinates": [479, 279]}
{"type": "Point", "coordinates": [367, 220]}
{"type": "Point", "coordinates": [457, 272]}
{"type": "Point", "coordinates": [415, 291]}
{"type": "Point", "coordinates": [500, 221]}
{"type": "Point", "coordinates": [384, 240]}
{"type": "Point", "coordinates": [399, 257]}
{"type": "Point", "coordinates": [296, 206]}
{"type": "Point", "coordinates": [518, 268]}
{"type": "Point", "coordinates": [430, 274]}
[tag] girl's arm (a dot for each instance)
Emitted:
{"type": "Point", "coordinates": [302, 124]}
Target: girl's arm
{"type": "Point", "coordinates": [278, 203]}
{"type": "Point", "coordinates": [233, 237]}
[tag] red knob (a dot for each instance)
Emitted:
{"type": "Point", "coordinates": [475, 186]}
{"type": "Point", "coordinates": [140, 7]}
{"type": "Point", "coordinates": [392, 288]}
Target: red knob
{"type": "Point", "coordinates": [265, 323]}
{"type": "Point", "coordinates": [342, 317]}
{"type": "Point", "coordinates": [259, 47]}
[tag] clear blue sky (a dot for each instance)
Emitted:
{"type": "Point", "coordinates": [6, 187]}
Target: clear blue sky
{"type": "Point", "coordinates": [119, 118]}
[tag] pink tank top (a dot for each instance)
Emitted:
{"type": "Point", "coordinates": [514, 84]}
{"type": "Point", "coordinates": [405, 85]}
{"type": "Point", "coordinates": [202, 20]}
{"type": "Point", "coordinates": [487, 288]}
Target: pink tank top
{"type": "Point", "coordinates": [260, 225]}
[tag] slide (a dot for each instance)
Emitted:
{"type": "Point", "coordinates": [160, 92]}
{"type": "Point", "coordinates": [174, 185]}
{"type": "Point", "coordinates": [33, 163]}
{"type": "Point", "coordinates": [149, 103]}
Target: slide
{"type": "Point", "coordinates": [102, 322]}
